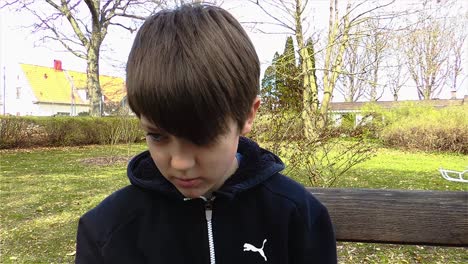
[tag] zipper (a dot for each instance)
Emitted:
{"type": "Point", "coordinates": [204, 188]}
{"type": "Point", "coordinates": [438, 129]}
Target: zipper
{"type": "Point", "coordinates": [208, 215]}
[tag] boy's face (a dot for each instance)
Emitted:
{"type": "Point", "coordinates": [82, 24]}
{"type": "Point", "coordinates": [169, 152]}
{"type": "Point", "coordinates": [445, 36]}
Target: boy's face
{"type": "Point", "coordinates": [196, 170]}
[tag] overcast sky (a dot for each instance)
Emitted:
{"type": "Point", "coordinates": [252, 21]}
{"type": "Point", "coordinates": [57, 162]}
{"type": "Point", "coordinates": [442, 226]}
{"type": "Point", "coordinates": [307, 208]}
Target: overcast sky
{"type": "Point", "coordinates": [19, 45]}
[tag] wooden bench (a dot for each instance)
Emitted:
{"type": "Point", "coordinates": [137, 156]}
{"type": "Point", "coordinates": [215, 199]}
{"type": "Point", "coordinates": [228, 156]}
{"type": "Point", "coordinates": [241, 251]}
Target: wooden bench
{"type": "Point", "coordinates": [433, 218]}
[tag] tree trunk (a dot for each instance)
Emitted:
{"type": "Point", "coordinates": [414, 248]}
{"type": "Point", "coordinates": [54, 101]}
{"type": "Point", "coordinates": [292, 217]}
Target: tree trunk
{"type": "Point", "coordinates": [375, 77]}
{"type": "Point", "coordinates": [329, 80]}
{"type": "Point", "coordinates": [93, 85]}
{"type": "Point", "coordinates": [310, 92]}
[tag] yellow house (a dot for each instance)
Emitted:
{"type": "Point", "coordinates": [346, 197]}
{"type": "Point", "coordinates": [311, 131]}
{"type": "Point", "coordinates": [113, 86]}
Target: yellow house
{"type": "Point", "coordinates": [47, 91]}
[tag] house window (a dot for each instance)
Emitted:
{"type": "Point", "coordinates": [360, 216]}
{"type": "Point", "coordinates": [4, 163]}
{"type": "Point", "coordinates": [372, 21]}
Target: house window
{"type": "Point", "coordinates": [18, 92]}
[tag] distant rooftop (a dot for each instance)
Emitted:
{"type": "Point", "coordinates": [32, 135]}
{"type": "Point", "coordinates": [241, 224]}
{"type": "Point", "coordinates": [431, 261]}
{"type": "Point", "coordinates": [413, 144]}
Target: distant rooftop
{"type": "Point", "coordinates": [51, 85]}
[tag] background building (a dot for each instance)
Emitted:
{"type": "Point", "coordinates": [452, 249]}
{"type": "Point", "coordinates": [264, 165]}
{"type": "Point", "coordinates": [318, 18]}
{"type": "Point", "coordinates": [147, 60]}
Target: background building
{"type": "Point", "coordinates": [32, 90]}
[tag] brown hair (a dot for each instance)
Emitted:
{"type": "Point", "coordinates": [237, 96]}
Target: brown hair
{"type": "Point", "coordinates": [190, 70]}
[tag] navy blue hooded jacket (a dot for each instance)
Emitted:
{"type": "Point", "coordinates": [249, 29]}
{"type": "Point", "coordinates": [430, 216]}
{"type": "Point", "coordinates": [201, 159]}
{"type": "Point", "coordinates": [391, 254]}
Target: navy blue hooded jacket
{"type": "Point", "coordinates": [257, 216]}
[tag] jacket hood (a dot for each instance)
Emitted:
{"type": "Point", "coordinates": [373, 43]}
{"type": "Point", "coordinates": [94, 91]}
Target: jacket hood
{"type": "Point", "coordinates": [255, 166]}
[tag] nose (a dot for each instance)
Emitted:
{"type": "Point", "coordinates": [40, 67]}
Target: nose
{"type": "Point", "coordinates": [182, 159]}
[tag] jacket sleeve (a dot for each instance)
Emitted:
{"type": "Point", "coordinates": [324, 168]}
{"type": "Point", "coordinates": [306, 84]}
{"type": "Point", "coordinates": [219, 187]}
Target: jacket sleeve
{"type": "Point", "coordinates": [87, 248]}
{"type": "Point", "coordinates": [313, 238]}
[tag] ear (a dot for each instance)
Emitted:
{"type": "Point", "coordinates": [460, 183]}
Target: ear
{"type": "Point", "coordinates": [250, 118]}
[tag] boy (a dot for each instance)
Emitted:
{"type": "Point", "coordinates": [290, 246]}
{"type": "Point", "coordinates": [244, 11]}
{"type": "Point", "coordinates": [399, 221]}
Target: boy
{"type": "Point", "coordinates": [202, 193]}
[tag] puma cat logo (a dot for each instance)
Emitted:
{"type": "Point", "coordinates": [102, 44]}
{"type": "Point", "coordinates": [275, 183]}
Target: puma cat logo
{"type": "Point", "coordinates": [249, 247]}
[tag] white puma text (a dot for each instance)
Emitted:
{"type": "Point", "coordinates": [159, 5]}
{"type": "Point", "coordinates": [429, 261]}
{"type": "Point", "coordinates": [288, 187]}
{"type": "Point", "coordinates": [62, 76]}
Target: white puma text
{"type": "Point", "coordinates": [249, 247]}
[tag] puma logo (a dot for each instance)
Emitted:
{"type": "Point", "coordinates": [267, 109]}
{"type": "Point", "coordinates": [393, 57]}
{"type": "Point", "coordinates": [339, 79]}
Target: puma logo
{"type": "Point", "coordinates": [249, 247]}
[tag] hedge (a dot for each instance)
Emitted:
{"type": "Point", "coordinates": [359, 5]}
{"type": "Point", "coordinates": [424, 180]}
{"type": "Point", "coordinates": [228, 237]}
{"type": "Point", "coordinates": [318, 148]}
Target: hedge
{"type": "Point", "coordinates": [410, 126]}
{"type": "Point", "coordinates": [19, 132]}
{"type": "Point", "coordinates": [423, 127]}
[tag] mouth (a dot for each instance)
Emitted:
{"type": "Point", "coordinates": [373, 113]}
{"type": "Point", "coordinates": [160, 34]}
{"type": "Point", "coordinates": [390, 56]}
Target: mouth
{"type": "Point", "coordinates": [187, 183]}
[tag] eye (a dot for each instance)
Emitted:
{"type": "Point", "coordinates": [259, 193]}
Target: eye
{"type": "Point", "coordinates": [156, 137]}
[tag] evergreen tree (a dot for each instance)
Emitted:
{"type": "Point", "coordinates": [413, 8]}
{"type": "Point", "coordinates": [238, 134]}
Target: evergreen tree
{"type": "Point", "coordinates": [282, 85]}
{"type": "Point", "coordinates": [268, 91]}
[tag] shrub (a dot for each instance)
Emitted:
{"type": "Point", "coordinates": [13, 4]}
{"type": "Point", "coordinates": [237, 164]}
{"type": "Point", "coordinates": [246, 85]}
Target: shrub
{"type": "Point", "coordinates": [424, 127]}
{"type": "Point", "coordinates": [67, 131]}
{"type": "Point", "coordinates": [14, 131]}
{"type": "Point", "coordinates": [321, 159]}
{"type": "Point", "coordinates": [348, 121]}
{"type": "Point", "coordinates": [271, 126]}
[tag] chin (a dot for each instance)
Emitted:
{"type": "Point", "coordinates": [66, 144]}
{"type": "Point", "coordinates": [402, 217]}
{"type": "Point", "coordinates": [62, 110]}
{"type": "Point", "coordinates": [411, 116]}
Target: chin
{"type": "Point", "coordinates": [192, 193]}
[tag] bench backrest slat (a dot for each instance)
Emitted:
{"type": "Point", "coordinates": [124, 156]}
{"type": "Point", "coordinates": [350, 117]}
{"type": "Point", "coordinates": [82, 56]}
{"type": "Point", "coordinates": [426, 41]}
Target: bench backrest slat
{"type": "Point", "coordinates": [397, 217]}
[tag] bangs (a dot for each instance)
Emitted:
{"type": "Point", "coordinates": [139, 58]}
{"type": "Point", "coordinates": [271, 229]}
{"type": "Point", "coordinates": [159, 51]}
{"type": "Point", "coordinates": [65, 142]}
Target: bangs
{"type": "Point", "coordinates": [179, 107]}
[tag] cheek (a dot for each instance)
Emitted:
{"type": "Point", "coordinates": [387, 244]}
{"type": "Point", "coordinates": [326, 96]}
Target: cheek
{"type": "Point", "coordinates": [158, 157]}
{"type": "Point", "coordinates": [221, 159]}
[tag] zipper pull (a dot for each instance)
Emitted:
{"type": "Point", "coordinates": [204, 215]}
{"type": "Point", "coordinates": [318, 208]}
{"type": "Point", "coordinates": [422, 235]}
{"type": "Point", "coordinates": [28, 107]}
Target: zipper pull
{"type": "Point", "coordinates": [209, 208]}
{"type": "Point", "coordinates": [208, 214]}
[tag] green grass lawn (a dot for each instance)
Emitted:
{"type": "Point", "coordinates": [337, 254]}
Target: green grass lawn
{"type": "Point", "coordinates": [396, 169]}
{"type": "Point", "coordinates": [44, 191]}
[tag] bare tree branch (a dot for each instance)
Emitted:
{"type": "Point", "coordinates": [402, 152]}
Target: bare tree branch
{"type": "Point", "coordinates": [131, 29]}
{"type": "Point", "coordinates": [130, 16]}
{"type": "Point", "coordinates": [75, 52]}
{"type": "Point", "coordinates": [269, 14]}
{"type": "Point", "coordinates": [9, 3]}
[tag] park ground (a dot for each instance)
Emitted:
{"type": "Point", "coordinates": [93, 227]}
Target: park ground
{"type": "Point", "coordinates": [44, 191]}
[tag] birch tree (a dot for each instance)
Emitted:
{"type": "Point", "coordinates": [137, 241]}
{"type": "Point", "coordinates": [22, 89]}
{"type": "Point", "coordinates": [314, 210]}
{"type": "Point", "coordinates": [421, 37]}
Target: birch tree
{"type": "Point", "coordinates": [317, 153]}
{"type": "Point", "coordinates": [317, 91]}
